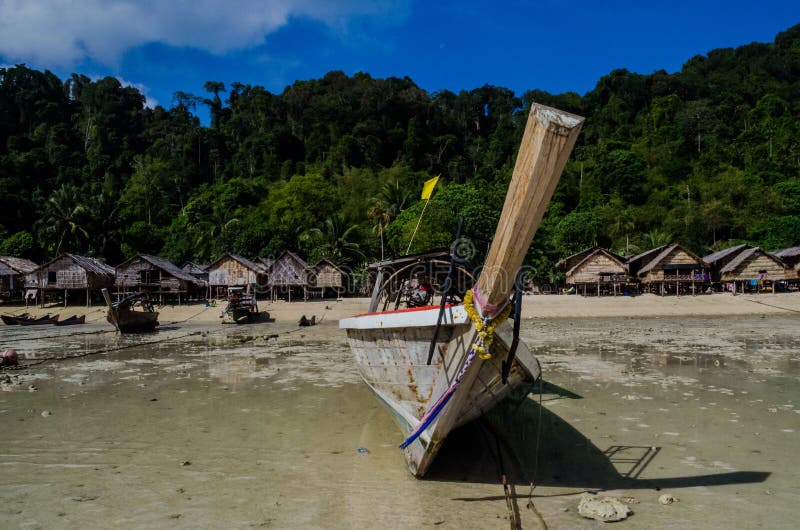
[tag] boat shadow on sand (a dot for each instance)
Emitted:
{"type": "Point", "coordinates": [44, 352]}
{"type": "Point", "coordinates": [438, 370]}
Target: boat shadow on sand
{"type": "Point", "coordinates": [477, 452]}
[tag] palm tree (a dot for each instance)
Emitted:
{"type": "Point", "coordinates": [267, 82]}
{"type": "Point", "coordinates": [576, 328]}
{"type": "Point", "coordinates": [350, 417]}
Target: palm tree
{"type": "Point", "coordinates": [390, 201]}
{"type": "Point", "coordinates": [211, 230]}
{"type": "Point", "coordinates": [333, 240]}
{"type": "Point", "coordinates": [657, 238]}
{"type": "Point", "coordinates": [64, 217]}
{"type": "Point", "coordinates": [378, 213]}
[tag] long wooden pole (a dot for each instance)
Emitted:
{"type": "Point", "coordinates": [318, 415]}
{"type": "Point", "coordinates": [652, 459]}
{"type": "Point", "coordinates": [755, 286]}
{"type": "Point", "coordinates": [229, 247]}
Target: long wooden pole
{"type": "Point", "coordinates": [548, 140]}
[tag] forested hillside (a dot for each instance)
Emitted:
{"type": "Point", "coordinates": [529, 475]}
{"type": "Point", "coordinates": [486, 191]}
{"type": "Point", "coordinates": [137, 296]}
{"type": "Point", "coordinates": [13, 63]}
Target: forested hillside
{"type": "Point", "coordinates": [332, 167]}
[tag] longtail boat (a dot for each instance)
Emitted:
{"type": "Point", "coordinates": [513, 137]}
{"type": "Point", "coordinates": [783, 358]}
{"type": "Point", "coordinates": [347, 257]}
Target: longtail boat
{"type": "Point", "coordinates": [13, 320]}
{"type": "Point", "coordinates": [438, 367]}
{"type": "Point", "coordinates": [132, 314]}
{"type": "Point", "coordinates": [30, 321]}
{"type": "Point", "coordinates": [71, 321]}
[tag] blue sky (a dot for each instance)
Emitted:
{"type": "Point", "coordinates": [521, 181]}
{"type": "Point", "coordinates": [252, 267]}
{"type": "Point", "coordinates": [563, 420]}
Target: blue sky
{"type": "Point", "coordinates": [162, 46]}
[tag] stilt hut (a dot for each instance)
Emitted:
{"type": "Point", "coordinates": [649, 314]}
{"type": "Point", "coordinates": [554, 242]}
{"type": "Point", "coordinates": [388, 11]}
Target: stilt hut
{"type": "Point", "coordinates": [288, 277]}
{"type": "Point", "coordinates": [670, 269]}
{"type": "Point", "coordinates": [327, 277]}
{"type": "Point", "coordinates": [70, 274]}
{"type": "Point", "coordinates": [754, 270]}
{"type": "Point", "coordinates": [596, 271]}
{"type": "Point", "coordinates": [232, 270]}
{"type": "Point", "coordinates": [791, 257]}
{"type": "Point", "coordinates": [12, 276]}
{"type": "Point", "coordinates": [158, 277]}
{"type": "Point", "coordinates": [200, 272]}
{"type": "Point", "coordinates": [717, 260]}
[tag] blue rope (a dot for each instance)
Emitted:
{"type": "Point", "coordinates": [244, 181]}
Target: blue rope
{"type": "Point", "coordinates": [434, 411]}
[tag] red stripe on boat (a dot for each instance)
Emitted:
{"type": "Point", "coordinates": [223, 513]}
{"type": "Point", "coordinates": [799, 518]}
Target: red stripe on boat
{"type": "Point", "coordinates": [407, 310]}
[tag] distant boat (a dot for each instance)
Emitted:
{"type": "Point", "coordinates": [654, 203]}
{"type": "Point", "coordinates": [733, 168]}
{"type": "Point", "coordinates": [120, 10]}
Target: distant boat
{"type": "Point", "coordinates": [46, 319]}
{"type": "Point", "coordinates": [438, 367]}
{"type": "Point", "coordinates": [13, 320]}
{"type": "Point", "coordinates": [71, 321]}
{"type": "Point", "coordinates": [125, 316]}
{"type": "Point", "coordinates": [242, 308]}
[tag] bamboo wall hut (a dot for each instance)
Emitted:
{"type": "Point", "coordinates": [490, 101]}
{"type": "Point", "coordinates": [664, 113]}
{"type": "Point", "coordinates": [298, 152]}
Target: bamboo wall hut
{"type": "Point", "coordinates": [791, 257]}
{"type": "Point", "coordinates": [754, 270]}
{"type": "Point", "coordinates": [12, 276]}
{"type": "Point", "coordinates": [232, 270]}
{"type": "Point", "coordinates": [326, 276]}
{"type": "Point", "coordinates": [288, 277]}
{"type": "Point", "coordinates": [670, 269]}
{"type": "Point", "coordinates": [70, 275]}
{"type": "Point", "coordinates": [158, 277]}
{"type": "Point", "coordinates": [596, 271]}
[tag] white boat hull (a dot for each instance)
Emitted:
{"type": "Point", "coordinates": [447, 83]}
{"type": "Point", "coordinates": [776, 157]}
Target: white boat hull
{"type": "Point", "coordinates": [391, 352]}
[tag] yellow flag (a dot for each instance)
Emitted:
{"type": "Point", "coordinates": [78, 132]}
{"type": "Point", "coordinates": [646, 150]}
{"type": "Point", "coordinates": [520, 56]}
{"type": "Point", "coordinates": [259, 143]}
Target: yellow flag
{"type": "Point", "coordinates": [427, 188]}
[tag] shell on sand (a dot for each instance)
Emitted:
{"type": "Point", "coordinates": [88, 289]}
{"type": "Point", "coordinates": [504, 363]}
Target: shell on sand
{"type": "Point", "coordinates": [667, 499]}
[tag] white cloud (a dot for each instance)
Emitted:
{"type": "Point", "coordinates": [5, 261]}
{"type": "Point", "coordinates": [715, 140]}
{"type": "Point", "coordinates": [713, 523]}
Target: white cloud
{"type": "Point", "coordinates": [63, 32]}
{"type": "Point", "coordinates": [149, 101]}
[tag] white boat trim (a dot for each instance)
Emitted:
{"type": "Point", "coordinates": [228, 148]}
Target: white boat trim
{"type": "Point", "coordinates": [406, 318]}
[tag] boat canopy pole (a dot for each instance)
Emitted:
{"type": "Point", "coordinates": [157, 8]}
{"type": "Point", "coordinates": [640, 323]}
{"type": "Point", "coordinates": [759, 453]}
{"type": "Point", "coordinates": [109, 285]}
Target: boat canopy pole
{"type": "Point", "coordinates": [448, 283]}
{"type": "Point", "coordinates": [517, 316]}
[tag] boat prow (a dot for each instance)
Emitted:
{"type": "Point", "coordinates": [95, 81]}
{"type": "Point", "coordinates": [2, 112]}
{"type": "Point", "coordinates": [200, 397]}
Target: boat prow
{"type": "Point", "coordinates": [391, 351]}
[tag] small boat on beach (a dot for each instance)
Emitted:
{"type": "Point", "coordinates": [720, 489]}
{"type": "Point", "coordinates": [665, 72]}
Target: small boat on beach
{"type": "Point", "coordinates": [132, 314]}
{"type": "Point", "coordinates": [71, 321]}
{"type": "Point", "coordinates": [46, 319]}
{"type": "Point", "coordinates": [13, 320]}
{"type": "Point", "coordinates": [436, 367]}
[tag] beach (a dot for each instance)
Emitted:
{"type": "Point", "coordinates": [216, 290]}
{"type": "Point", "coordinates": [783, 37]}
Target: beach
{"type": "Point", "coordinates": [207, 425]}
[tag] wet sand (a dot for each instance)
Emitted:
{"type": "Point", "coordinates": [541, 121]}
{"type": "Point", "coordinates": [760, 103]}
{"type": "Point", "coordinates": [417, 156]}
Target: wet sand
{"type": "Point", "coordinates": [203, 425]}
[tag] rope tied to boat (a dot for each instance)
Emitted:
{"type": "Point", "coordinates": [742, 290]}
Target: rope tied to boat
{"type": "Point", "coordinates": [485, 327]}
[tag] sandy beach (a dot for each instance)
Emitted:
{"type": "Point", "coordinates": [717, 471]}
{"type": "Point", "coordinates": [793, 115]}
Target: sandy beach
{"type": "Point", "coordinates": [545, 306]}
{"type": "Point", "coordinates": [205, 425]}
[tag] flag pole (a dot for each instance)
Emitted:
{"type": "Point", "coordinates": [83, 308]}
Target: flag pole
{"type": "Point", "coordinates": [427, 190]}
{"type": "Point", "coordinates": [417, 227]}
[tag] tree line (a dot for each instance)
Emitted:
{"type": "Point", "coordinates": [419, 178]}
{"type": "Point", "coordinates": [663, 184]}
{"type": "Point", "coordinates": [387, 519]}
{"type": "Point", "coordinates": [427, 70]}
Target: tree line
{"type": "Point", "coordinates": [708, 157]}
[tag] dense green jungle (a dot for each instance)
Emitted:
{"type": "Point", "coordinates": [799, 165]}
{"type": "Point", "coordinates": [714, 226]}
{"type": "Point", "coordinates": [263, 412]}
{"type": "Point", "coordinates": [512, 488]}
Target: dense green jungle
{"type": "Point", "coordinates": [707, 157]}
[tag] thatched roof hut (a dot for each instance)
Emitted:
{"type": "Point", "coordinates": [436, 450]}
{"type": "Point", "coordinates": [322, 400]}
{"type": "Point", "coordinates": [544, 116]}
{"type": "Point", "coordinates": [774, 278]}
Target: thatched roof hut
{"type": "Point", "coordinates": [70, 272]}
{"type": "Point", "coordinates": [670, 269]}
{"type": "Point", "coordinates": [157, 276]}
{"type": "Point", "coordinates": [595, 270]}
{"type": "Point", "coordinates": [12, 276]}
{"type": "Point", "coordinates": [288, 272]}
{"type": "Point", "coordinates": [327, 275]}
{"type": "Point", "coordinates": [719, 259]}
{"type": "Point", "coordinates": [232, 270]}
{"type": "Point", "coordinates": [754, 269]}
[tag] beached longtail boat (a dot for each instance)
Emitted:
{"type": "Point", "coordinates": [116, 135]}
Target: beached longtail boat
{"type": "Point", "coordinates": [74, 320]}
{"type": "Point", "coordinates": [45, 319]}
{"type": "Point", "coordinates": [127, 319]}
{"type": "Point", "coordinates": [438, 367]}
